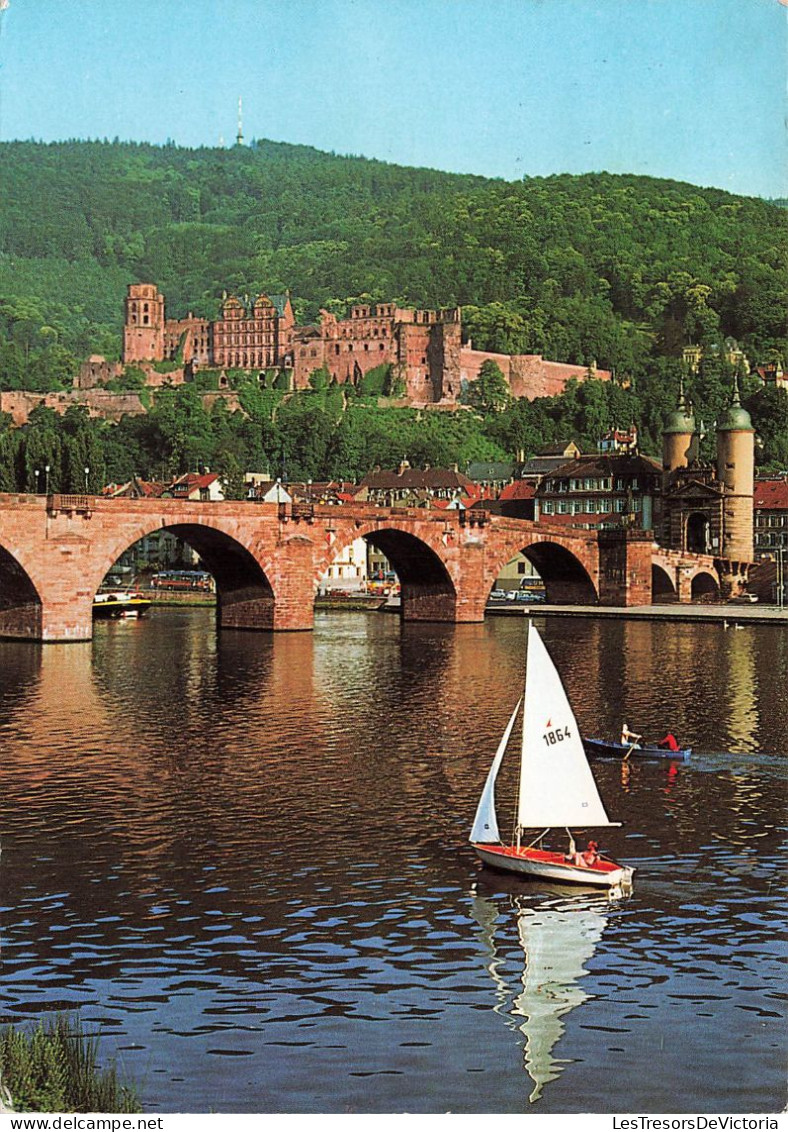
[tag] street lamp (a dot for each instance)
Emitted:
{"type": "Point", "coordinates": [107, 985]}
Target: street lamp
{"type": "Point", "coordinates": [37, 474]}
{"type": "Point", "coordinates": [87, 473]}
{"type": "Point", "coordinates": [46, 480]}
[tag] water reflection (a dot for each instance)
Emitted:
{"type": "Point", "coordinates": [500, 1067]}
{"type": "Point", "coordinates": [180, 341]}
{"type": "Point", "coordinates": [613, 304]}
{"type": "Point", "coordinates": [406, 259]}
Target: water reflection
{"type": "Point", "coordinates": [245, 858]}
{"type": "Point", "coordinates": [557, 937]}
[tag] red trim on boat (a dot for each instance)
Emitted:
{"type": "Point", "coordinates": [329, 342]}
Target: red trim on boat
{"type": "Point", "coordinates": [550, 857]}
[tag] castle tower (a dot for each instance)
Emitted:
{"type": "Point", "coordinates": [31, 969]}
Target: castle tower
{"type": "Point", "coordinates": [736, 473]}
{"type": "Point", "coordinates": [143, 330]}
{"type": "Point", "coordinates": [679, 440]}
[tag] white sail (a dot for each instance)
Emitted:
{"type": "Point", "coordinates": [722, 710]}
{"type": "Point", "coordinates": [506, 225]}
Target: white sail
{"type": "Point", "coordinates": [556, 784]}
{"type": "Point", "coordinates": [485, 825]}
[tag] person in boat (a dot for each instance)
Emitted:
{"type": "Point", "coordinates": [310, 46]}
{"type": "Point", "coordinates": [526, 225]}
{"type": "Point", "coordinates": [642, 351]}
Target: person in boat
{"type": "Point", "coordinates": [587, 859]}
{"type": "Point", "coordinates": [669, 743]}
{"type": "Point", "coordinates": [629, 738]}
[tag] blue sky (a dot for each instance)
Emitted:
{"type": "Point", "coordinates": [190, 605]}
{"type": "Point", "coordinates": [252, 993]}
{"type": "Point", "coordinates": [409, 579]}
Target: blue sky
{"type": "Point", "coordinates": [689, 89]}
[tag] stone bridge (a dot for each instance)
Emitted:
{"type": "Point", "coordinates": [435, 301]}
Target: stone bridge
{"type": "Point", "coordinates": [676, 576]}
{"type": "Point", "coordinates": [268, 559]}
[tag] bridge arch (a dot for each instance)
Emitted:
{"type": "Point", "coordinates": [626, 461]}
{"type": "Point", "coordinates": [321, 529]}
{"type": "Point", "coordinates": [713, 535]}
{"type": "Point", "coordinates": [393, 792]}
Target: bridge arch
{"type": "Point", "coordinates": [428, 591]}
{"type": "Point", "coordinates": [245, 597]}
{"type": "Point", "coordinates": [568, 580]}
{"type": "Point", "coordinates": [20, 601]}
{"type": "Point", "coordinates": [704, 586]}
{"type": "Point", "coordinates": [663, 585]}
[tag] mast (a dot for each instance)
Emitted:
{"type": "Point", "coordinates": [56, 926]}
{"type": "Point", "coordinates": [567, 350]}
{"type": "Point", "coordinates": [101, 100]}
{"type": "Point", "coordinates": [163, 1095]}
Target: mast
{"type": "Point", "coordinates": [518, 828]}
{"type": "Point", "coordinates": [239, 137]}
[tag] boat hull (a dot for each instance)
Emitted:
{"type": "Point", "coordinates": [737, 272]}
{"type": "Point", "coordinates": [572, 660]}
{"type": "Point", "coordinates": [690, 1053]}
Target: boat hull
{"type": "Point", "coordinates": [547, 865]}
{"type": "Point", "coordinates": [606, 749]}
{"type": "Point", "coordinates": [116, 605]}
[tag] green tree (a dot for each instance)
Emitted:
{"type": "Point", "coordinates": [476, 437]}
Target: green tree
{"type": "Point", "coordinates": [489, 393]}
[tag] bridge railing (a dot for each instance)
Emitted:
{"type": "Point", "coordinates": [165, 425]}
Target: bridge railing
{"type": "Point", "coordinates": [297, 512]}
{"type": "Point", "coordinates": [73, 504]}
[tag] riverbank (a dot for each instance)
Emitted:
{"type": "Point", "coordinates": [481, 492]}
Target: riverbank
{"type": "Point", "coordinates": [373, 603]}
{"type": "Point", "coordinates": [723, 614]}
{"type": "Point", "coordinates": [367, 603]}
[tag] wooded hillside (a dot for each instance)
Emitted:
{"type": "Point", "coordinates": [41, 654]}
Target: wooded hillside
{"type": "Point", "coordinates": [621, 270]}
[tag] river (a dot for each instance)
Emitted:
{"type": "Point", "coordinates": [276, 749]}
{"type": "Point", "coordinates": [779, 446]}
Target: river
{"type": "Point", "coordinates": [243, 860]}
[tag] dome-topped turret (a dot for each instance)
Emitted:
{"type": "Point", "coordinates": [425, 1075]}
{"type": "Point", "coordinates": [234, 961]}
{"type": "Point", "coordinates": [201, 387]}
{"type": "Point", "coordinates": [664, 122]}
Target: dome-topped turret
{"type": "Point", "coordinates": [735, 418]}
{"type": "Point", "coordinates": [680, 421]}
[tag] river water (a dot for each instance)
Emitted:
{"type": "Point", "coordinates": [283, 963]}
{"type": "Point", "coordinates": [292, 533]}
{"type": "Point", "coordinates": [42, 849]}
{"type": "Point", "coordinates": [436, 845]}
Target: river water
{"type": "Point", "coordinates": [243, 859]}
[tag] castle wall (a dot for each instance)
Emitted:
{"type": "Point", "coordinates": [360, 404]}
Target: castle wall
{"type": "Point", "coordinates": [193, 336]}
{"type": "Point", "coordinates": [528, 375]}
{"type": "Point", "coordinates": [99, 403]}
{"type": "Point", "coordinates": [96, 372]}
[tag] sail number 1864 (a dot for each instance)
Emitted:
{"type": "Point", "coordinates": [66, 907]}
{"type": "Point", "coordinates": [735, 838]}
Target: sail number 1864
{"type": "Point", "coordinates": [556, 735]}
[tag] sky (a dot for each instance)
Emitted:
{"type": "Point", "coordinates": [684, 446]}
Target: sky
{"type": "Point", "coordinates": [693, 90]}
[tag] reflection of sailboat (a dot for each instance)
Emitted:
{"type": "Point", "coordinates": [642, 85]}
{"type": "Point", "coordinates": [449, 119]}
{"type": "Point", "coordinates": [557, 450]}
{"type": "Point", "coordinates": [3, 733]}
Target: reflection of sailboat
{"type": "Point", "coordinates": [557, 940]}
{"type": "Point", "coordinates": [556, 944]}
{"type": "Point", "coordinates": [556, 786]}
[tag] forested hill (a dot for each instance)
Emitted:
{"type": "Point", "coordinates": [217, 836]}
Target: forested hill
{"type": "Point", "coordinates": [619, 269]}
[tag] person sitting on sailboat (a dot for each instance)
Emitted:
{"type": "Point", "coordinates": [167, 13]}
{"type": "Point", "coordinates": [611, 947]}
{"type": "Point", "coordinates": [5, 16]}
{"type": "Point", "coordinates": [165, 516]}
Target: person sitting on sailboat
{"type": "Point", "coordinates": [587, 859]}
{"type": "Point", "coordinates": [591, 855]}
{"type": "Point", "coordinates": [629, 738]}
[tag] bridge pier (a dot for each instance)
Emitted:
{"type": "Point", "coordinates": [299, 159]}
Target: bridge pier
{"type": "Point", "coordinates": [427, 603]}
{"type": "Point", "coordinates": [240, 610]}
{"type": "Point", "coordinates": [625, 567]}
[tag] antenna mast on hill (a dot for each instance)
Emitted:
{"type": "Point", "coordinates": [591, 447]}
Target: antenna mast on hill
{"type": "Point", "coordinates": [3, 7]}
{"type": "Point", "coordinates": [239, 140]}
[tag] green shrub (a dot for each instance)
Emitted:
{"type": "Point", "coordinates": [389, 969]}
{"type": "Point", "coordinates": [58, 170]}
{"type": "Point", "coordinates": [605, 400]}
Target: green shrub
{"type": "Point", "coordinates": [54, 1069]}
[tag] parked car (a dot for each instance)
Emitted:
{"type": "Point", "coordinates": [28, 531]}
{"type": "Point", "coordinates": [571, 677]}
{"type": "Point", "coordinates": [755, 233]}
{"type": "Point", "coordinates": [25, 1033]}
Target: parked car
{"type": "Point", "coordinates": [498, 595]}
{"type": "Point", "coordinates": [743, 599]}
{"type": "Point", "coordinates": [530, 596]}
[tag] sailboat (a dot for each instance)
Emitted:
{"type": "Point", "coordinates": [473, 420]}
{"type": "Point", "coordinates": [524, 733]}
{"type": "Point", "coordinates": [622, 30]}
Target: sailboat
{"type": "Point", "coordinates": [557, 788]}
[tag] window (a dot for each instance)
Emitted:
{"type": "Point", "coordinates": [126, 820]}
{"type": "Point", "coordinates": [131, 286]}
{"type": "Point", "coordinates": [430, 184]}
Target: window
{"type": "Point", "coordinates": [547, 507]}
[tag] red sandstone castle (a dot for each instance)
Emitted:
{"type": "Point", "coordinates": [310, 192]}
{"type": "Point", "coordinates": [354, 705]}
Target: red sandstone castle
{"type": "Point", "coordinates": [423, 348]}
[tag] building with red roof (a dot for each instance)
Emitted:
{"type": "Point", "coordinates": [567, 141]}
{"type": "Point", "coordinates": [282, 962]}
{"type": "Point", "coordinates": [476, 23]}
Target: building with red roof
{"type": "Point", "coordinates": [770, 513]}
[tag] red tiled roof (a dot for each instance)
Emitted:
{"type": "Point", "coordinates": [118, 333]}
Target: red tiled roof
{"type": "Point", "coordinates": [191, 480]}
{"type": "Point", "coordinates": [520, 489]}
{"type": "Point", "coordinates": [771, 495]}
